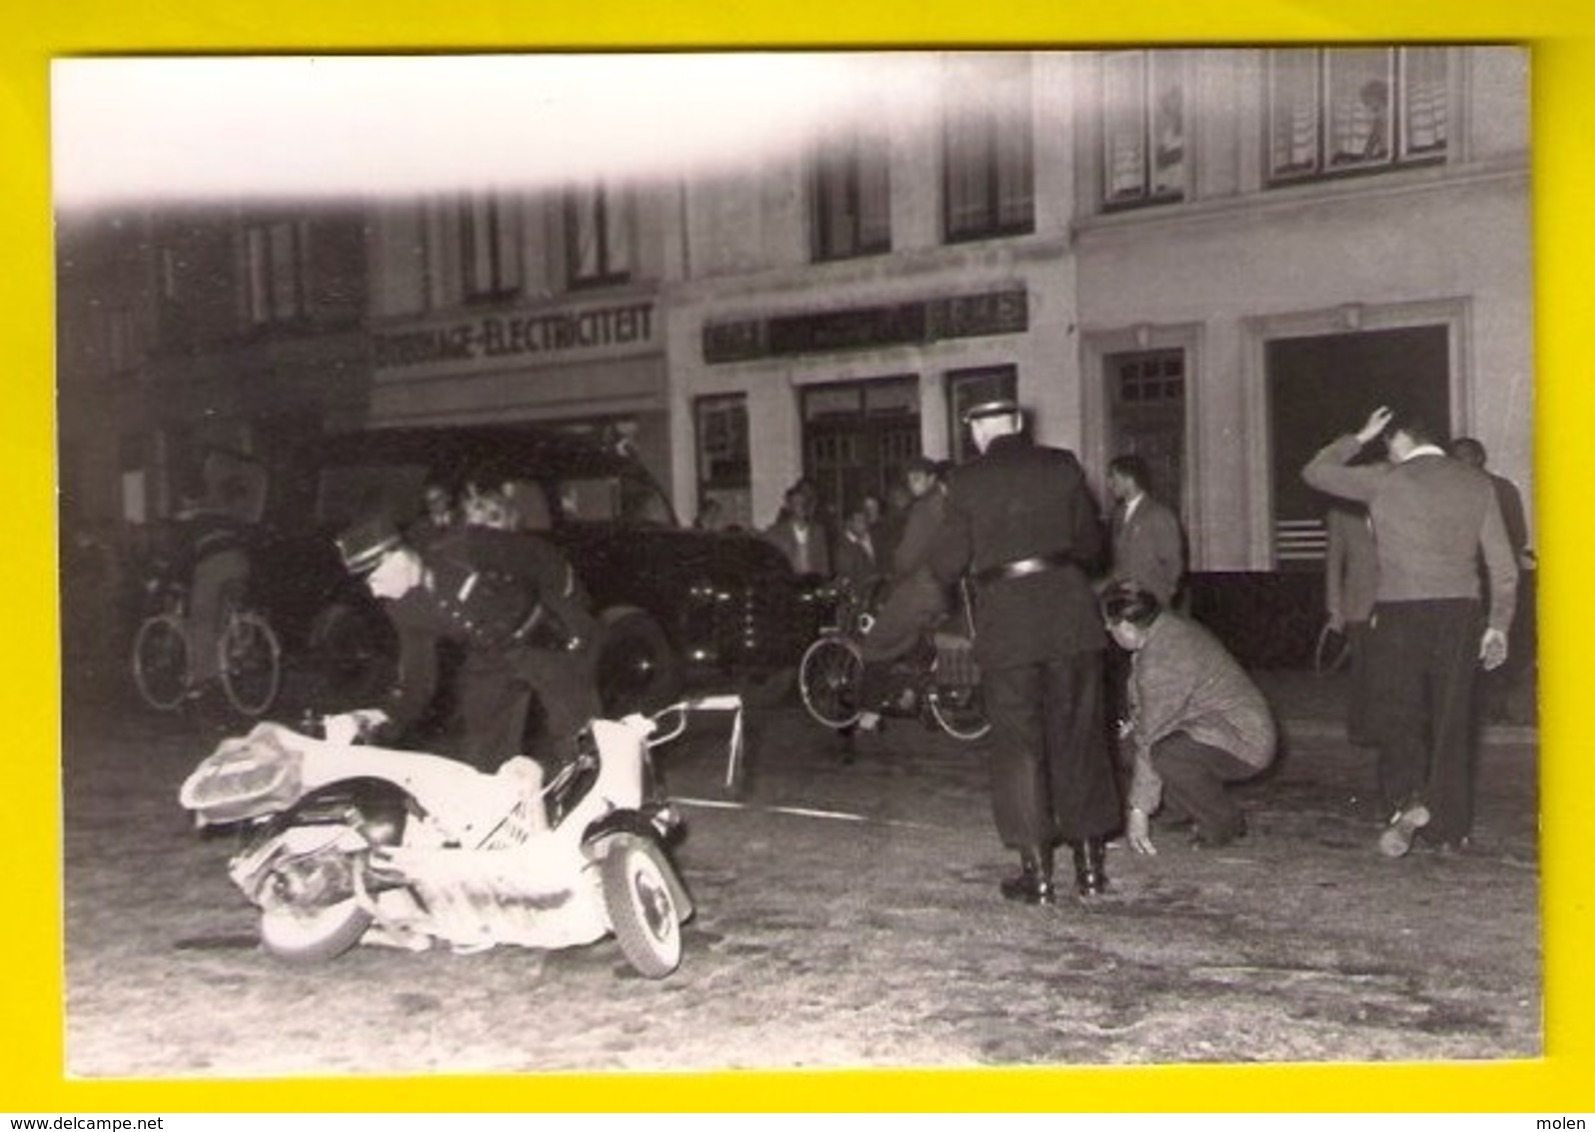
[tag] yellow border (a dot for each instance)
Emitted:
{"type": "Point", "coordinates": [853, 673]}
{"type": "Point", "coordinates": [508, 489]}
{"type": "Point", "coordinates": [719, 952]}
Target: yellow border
{"type": "Point", "coordinates": [30, 975]}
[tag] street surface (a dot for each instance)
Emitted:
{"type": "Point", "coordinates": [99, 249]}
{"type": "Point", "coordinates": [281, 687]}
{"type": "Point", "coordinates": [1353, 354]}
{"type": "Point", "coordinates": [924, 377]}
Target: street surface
{"type": "Point", "coordinates": [848, 917]}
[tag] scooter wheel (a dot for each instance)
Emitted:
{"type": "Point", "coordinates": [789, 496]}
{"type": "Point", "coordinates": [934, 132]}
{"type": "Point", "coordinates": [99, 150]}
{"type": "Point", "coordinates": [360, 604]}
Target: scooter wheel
{"type": "Point", "coordinates": [637, 887]}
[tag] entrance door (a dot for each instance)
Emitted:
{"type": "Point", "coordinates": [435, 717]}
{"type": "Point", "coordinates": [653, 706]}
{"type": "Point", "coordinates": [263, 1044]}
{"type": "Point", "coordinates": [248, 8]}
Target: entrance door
{"type": "Point", "coordinates": [857, 437]}
{"type": "Point", "coordinates": [1146, 390]}
{"type": "Point", "coordinates": [1324, 386]}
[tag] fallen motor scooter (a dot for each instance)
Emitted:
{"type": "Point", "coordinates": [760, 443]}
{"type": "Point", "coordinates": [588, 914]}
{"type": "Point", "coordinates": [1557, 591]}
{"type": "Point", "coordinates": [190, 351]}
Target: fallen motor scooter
{"type": "Point", "coordinates": [347, 842]}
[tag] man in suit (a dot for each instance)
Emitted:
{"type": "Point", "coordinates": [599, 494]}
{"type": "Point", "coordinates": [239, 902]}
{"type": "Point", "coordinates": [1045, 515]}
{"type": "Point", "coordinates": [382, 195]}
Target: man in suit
{"type": "Point", "coordinates": [1021, 520]}
{"type": "Point", "coordinates": [1148, 546]}
{"type": "Point", "coordinates": [1432, 515]}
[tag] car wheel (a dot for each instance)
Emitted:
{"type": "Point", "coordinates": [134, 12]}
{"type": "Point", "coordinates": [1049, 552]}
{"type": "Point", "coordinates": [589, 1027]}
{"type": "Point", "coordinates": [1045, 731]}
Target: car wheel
{"type": "Point", "coordinates": [637, 668]}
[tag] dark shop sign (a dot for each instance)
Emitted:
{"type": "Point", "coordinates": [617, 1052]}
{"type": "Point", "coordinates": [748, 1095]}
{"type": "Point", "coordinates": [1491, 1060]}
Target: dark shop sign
{"type": "Point", "coordinates": [611, 329]}
{"type": "Point", "coordinates": [860, 328]}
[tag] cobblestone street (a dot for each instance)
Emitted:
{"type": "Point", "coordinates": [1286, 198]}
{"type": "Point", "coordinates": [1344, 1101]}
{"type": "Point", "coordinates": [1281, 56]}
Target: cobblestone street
{"type": "Point", "coordinates": [848, 917]}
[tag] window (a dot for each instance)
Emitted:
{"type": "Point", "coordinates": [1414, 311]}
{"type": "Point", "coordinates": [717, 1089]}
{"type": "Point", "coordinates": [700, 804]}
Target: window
{"type": "Point", "coordinates": [851, 203]}
{"type": "Point", "coordinates": [988, 173]}
{"type": "Point", "coordinates": [1143, 128]}
{"type": "Point", "coordinates": [1347, 110]}
{"type": "Point", "coordinates": [490, 247]}
{"type": "Point", "coordinates": [273, 266]}
{"type": "Point", "coordinates": [597, 237]}
{"type": "Point", "coordinates": [725, 467]}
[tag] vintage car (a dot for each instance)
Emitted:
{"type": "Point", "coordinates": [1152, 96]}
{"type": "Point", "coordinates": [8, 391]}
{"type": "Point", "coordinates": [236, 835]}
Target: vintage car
{"type": "Point", "coordinates": [720, 609]}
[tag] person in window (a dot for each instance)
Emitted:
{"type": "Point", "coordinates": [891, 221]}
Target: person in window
{"type": "Point", "coordinates": [1197, 722]}
{"type": "Point", "coordinates": [513, 603]}
{"type": "Point", "coordinates": [1374, 97]}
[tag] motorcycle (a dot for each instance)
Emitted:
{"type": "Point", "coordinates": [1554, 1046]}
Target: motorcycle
{"type": "Point", "coordinates": [347, 843]}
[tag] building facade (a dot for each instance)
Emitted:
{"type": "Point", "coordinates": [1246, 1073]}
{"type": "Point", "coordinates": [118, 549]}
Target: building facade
{"type": "Point", "coordinates": [1216, 259]}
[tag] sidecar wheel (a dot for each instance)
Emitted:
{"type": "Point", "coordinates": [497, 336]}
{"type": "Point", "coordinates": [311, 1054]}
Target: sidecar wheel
{"type": "Point", "coordinates": [311, 915]}
{"type": "Point", "coordinates": [642, 912]}
{"type": "Point", "coordinates": [313, 936]}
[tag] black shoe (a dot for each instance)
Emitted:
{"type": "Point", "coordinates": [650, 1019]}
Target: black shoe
{"type": "Point", "coordinates": [1033, 883]}
{"type": "Point", "coordinates": [1090, 872]}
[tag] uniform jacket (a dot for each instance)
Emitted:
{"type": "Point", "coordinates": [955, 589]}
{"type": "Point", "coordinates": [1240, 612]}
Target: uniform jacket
{"type": "Point", "coordinates": [1431, 516]}
{"type": "Point", "coordinates": [495, 592]}
{"type": "Point", "coordinates": [1021, 500]}
{"type": "Point", "coordinates": [1351, 565]}
{"type": "Point", "coordinates": [1181, 679]}
{"type": "Point", "coordinates": [1148, 548]}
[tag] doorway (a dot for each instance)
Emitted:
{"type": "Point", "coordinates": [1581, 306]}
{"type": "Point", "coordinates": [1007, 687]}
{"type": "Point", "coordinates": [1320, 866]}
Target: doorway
{"type": "Point", "coordinates": [1323, 386]}
{"type": "Point", "coordinates": [1146, 397]}
{"type": "Point", "coordinates": [857, 437]}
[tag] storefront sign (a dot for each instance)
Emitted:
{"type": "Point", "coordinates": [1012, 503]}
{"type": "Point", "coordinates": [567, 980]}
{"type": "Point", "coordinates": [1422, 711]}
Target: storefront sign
{"type": "Point", "coordinates": [855, 328]}
{"type": "Point", "coordinates": [591, 329]}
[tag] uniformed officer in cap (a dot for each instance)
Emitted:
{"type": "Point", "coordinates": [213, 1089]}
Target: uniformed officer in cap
{"type": "Point", "coordinates": [514, 603]}
{"type": "Point", "coordinates": [1021, 521]}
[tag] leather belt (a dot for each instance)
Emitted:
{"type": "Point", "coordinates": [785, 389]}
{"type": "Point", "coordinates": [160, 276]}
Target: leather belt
{"type": "Point", "coordinates": [1022, 567]}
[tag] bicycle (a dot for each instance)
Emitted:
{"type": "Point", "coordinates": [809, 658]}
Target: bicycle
{"type": "Point", "coordinates": [249, 656]}
{"type": "Point", "coordinates": [938, 680]}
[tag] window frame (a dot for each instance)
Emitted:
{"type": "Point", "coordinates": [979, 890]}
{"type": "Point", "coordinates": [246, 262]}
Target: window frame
{"type": "Point", "coordinates": [274, 263]}
{"type": "Point", "coordinates": [502, 276]}
{"type": "Point", "coordinates": [990, 139]}
{"type": "Point", "coordinates": [1327, 161]}
{"type": "Point", "coordinates": [1155, 67]}
{"type": "Point", "coordinates": [610, 223]}
{"type": "Point", "coordinates": [837, 170]}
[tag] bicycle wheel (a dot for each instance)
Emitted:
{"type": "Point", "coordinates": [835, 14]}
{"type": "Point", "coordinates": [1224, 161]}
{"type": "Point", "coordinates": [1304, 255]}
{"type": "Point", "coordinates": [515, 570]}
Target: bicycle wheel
{"type": "Point", "coordinates": [249, 660]}
{"type": "Point", "coordinates": [160, 662]}
{"type": "Point", "coordinates": [830, 676]}
{"type": "Point", "coordinates": [959, 711]}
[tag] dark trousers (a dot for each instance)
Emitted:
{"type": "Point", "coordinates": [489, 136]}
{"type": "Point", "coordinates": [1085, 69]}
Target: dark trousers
{"type": "Point", "coordinates": [1422, 659]}
{"type": "Point", "coordinates": [1052, 776]}
{"type": "Point", "coordinates": [495, 695]}
{"type": "Point", "coordinates": [1194, 775]}
{"type": "Point", "coordinates": [1360, 693]}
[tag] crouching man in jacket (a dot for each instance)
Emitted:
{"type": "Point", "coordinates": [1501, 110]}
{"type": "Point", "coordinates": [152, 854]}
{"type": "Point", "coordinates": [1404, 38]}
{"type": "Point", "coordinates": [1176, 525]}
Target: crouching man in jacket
{"type": "Point", "coordinates": [1196, 720]}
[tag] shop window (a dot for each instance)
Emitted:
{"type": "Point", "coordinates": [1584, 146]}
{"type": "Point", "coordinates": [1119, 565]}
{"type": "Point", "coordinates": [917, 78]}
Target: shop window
{"type": "Point", "coordinates": [1333, 111]}
{"type": "Point", "coordinates": [850, 199]}
{"type": "Point", "coordinates": [273, 267]}
{"type": "Point", "coordinates": [597, 237]}
{"type": "Point", "coordinates": [490, 247]}
{"type": "Point", "coordinates": [967, 387]}
{"type": "Point", "coordinates": [725, 469]}
{"type": "Point", "coordinates": [988, 173]}
{"type": "Point", "coordinates": [1143, 129]}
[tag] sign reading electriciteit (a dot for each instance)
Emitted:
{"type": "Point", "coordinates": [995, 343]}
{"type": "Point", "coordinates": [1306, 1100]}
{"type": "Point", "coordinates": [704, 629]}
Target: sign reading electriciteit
{"type": "Point", "coordinates": [623, 328]}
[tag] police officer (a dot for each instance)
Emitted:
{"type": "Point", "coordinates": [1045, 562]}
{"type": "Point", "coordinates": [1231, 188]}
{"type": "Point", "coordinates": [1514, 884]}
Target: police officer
{"type": "Point", "coordinates": [1021, 520]}
{"type": "Point", "coordinates": [514, 603]}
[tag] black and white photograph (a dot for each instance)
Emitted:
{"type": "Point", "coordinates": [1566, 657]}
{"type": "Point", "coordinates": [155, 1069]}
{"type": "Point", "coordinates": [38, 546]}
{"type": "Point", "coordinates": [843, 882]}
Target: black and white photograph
{"type": "Point", "coordinates": [684, 562]}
